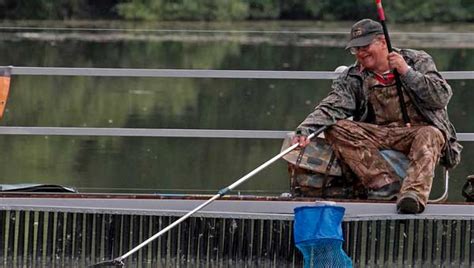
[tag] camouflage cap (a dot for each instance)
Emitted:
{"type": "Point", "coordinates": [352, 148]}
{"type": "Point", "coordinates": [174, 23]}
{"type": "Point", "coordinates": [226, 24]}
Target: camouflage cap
{"type": "Point", "coordinates": [363, 32]}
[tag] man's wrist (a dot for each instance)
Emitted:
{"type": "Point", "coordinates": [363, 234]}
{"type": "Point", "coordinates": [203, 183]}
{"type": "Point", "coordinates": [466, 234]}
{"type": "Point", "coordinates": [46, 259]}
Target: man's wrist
{"type": "Point", "coordinates": [409, 75]}
{"type": "Point", "coordinates": [302, 131]}
{"type": "Point", "coordinates": [405, 70]}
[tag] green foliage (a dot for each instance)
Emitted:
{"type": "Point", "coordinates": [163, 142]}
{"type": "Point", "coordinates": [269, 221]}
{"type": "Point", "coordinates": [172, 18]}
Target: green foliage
{"type": "Point", "coordinates": [400, 10]}
{"type": "Point", "coordinates": [347, 10]}
{"type": "Point", "coordinates": [57, 9]}
{"type": "Point", "coordinates": [140, 9]}
{"type": "Point", "coordinates": [301, 9]}
{"type": "Point", "coordinates": [230, 10]}
{"type": "Point", "coordinates": [41, 9]}
{"type": "Point", "coordinates": [426, 11]}
{"type": "Point", "coordinates": [207, 10]}
{"type": "Point", "coordinates": [263, 9]}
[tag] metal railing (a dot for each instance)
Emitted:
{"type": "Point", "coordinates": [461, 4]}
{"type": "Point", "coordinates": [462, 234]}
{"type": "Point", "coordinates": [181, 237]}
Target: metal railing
{"type": "Point", "coordinates": [194, 73]}
{"type": "Point", "coordinates": [177, 73]}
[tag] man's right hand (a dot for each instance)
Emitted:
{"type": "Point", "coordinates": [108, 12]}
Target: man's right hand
{"type": "Point", "coordinates": [302, 140]}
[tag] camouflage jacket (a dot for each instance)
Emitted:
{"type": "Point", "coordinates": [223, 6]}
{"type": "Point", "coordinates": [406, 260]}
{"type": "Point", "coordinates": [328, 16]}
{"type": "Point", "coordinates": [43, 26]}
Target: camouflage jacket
{"type": "Point", "coordinates": [428, 91]}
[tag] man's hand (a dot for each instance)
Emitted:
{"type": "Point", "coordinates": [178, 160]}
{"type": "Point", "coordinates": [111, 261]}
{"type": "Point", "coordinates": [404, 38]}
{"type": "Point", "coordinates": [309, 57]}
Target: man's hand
{"type": "Point", "coordinates": [396, 61]}
{"type": "Point", "coordinates": [301, 140]}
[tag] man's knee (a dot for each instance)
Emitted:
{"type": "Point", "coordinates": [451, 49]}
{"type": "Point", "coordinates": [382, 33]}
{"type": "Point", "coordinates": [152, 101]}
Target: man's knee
{"type": "Point", "coordinates": [431, 134]}
{"type": "Point", "coordinates": [428, 143]}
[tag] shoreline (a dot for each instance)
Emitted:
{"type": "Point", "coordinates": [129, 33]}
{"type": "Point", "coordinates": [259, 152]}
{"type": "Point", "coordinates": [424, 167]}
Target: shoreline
{"type": "Point", "coordinates": [278, 33]}
{"type": "Point", "coordinates": [286, 38]}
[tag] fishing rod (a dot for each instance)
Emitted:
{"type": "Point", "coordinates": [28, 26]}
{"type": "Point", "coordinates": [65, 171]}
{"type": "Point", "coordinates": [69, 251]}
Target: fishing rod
{"type": "Point", "coordinates": [398, 82]}
{"type": "Point", "coordinates": [119, 260]}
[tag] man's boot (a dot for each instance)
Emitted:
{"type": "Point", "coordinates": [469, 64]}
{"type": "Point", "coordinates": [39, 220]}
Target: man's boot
{"type": "Point", "coordinates": [409, 204]}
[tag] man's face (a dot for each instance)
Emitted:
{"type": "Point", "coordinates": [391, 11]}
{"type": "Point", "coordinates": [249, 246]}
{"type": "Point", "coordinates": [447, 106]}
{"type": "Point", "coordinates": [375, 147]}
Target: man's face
{"type": "Point", "coordinates": [373, 56]}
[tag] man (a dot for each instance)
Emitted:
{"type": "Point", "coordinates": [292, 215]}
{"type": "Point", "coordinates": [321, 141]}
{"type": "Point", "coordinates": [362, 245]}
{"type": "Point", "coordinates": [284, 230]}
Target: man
{"type": "Point", "coordinates": [367, 92]}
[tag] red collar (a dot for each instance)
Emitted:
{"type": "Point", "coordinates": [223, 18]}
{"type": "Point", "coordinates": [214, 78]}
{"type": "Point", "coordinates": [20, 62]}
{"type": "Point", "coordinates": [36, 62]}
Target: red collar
{"type": "Point", "coordinates": [385, 79]}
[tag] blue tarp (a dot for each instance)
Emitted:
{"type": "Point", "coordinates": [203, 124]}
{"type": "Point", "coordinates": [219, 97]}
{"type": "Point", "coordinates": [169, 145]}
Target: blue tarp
{"type": "Point", "coordinates": [397, 160]}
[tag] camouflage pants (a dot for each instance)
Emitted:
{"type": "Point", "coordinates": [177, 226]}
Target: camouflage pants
{"type": "Point", "coordinates": [358, 145]}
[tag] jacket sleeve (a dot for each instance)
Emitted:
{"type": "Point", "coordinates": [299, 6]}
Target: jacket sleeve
{"type": "Point", "coordinates": [339, 104]}
{"type": "Point", "coordinates": [424, 80]}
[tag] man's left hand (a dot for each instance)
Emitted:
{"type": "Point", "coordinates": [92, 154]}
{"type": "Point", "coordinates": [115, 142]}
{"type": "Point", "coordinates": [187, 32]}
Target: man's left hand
{"type": "Point", "coordinates": [396, 61]}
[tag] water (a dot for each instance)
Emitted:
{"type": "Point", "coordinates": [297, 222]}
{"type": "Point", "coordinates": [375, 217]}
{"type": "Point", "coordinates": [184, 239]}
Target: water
{"type": "Point", "coordinates": [150, 165]}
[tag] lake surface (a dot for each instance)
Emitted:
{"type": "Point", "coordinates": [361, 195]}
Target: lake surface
{"type": "Point", "coordinates": [183, 165]}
